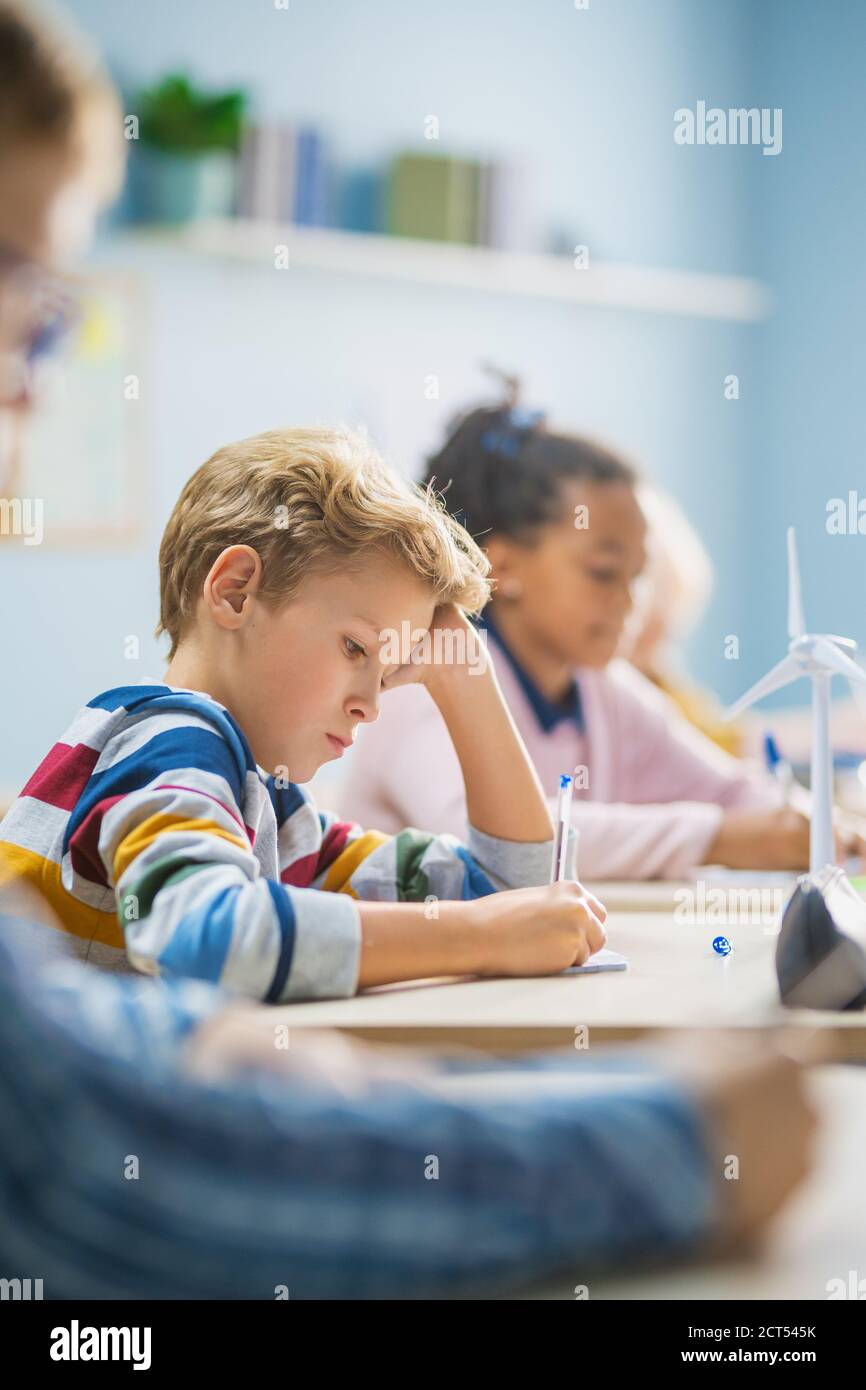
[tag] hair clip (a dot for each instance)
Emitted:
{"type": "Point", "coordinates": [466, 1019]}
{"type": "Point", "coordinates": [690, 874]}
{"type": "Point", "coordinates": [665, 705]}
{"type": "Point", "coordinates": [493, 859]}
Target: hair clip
{"type": "Point", "coordinates": [522, 419]}
{"type": "Point", "coordinates": [500, 442]}
{"type": "Point", "coordinates": [508, 441]}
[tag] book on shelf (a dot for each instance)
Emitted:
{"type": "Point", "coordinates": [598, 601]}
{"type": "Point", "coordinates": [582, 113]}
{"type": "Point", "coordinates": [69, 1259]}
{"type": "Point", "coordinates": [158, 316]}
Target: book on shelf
{"type": "Point", "coordinates": [440, 197]}
{"type": "Point", "coordinates": [433, 197]}
{"type": "Point", "coordinates": [283, 175]}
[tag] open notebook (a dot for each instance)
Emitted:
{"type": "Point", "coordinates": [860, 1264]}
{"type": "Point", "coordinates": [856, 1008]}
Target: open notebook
{"type": "Point", "coordinates": [602, 960]}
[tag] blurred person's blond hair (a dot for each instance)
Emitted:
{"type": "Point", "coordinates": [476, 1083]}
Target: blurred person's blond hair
{"type": "Point", "coordinates": [679, 571]}
{"type": "Point", "coordinates": [310, 500]}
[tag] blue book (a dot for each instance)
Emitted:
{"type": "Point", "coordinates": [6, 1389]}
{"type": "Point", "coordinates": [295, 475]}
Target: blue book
{"type": "Point", "coordinates": [311, 179]}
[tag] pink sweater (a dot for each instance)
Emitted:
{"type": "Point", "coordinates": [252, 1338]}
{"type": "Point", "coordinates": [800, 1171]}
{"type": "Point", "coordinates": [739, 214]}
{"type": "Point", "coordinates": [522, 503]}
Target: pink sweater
{"type": "Point", "coordinates": [656, 788]}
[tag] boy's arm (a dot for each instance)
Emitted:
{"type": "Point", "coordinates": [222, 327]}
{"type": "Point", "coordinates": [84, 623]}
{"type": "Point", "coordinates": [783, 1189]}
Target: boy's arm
{"type": "Point", "coordinates": [428, 905]}
{"type": "Point", "coordinates": [508, 844]}
{"type": "Point", "coordinates": [193, 904]}
{"type": "Point", "coordinates": [166, 812]}
{"type": "Point", "coordinates": [163, 827]}
{"type": "Point", "coordinates": [504, 797]}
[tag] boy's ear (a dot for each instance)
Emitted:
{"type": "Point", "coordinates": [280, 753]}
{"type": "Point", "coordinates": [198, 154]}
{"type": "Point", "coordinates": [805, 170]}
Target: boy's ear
{"type": "Point", "coordinates": [233, 579]}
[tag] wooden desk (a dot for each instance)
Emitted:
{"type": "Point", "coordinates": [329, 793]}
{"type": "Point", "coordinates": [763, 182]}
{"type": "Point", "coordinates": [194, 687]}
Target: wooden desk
{"type": "Point", "coordinates": [674, 980]}
{"type": "Point", "coordinates": [663, 895]}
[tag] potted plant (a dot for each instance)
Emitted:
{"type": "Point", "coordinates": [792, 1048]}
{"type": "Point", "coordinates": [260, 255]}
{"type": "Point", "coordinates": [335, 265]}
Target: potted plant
{"type": "Point", "coordinates": [189, 141]}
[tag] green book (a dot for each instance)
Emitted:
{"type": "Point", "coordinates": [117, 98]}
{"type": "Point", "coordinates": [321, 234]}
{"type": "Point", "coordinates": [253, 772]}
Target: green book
{"type": "Point", "coordinates": [434, 197]}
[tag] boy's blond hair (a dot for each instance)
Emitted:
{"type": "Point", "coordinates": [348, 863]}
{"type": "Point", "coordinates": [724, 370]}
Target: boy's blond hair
{"type": "Point", "coordinates": [310, 501]}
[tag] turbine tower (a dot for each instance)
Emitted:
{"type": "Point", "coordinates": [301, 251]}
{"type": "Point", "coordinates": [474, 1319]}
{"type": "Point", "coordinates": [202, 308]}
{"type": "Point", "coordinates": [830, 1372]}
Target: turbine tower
{"type": "Point", "coordinates": [820, 656]}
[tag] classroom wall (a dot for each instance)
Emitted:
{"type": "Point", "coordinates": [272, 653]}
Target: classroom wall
{"type": "Point", "coordinates": [806, 398]}
{"type": "Point", "coordinates": [590, 96]}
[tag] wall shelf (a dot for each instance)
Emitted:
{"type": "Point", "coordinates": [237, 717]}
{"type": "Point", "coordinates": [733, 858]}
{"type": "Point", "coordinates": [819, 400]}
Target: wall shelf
{"type": "Point", "coordinates": [529, 275]}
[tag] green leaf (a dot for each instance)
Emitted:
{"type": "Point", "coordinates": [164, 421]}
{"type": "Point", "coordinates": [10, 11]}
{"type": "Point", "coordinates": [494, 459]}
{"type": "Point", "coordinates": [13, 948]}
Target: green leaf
{"type": "Point", "coordinates": [179, 119]}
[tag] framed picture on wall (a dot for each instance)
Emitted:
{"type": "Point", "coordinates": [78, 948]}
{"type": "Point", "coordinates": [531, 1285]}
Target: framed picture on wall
{"type": "Point", "coordinates": [77, 475]}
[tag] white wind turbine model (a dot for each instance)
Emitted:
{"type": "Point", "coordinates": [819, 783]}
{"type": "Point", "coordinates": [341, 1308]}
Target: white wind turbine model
{"type": "Point", "coordinates": [820, 657]}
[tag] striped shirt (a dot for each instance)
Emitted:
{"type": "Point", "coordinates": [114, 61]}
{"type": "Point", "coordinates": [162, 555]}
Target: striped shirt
{"type": "Point", "coordinates": [156, 838]}
{"type": "Point", "coordinates": [264, 1187]}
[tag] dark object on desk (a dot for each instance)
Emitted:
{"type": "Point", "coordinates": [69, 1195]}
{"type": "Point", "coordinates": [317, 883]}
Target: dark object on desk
{"type": "Point", "coordinates": [821, 950]}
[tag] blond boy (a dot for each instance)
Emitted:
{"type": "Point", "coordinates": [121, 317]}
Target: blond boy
{"type": "Point", "coordinates": [168, 826]}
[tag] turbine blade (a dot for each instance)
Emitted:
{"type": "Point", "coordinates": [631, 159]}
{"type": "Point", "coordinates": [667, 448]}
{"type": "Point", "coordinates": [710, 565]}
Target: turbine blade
{"type": "Point", "coordinates": [838, 661]}
{"type": "Point", "coordinates": [783, 673]}
{"type": "Point", "coordinates": [796, 617]}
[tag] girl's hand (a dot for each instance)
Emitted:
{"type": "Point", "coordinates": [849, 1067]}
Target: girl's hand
{"type": "Point", "coordinates": [849, 832]}
{"type": "Point", "coordinates": [778, 839]}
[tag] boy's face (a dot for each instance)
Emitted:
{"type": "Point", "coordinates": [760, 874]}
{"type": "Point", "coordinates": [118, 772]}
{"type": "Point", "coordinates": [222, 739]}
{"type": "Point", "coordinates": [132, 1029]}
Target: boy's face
{"type": "Point", "coordinates": [577, 583]}
{"type": "Point", "coordinates": [309, 672]}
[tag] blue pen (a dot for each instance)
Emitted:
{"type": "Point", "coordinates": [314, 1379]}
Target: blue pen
{"type": "Point", "coordinates": [563, 823]}
{"type": "Point", "coordinates": [779, 767]}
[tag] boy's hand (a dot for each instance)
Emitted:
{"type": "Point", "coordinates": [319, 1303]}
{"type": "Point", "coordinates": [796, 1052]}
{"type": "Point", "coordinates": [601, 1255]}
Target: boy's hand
{"type": "Point", "coordinates": [504, 797]}
{"type": "Point", "coordinates": [451, 649]}
{"type": "Point", "coordinates": [536, 931]}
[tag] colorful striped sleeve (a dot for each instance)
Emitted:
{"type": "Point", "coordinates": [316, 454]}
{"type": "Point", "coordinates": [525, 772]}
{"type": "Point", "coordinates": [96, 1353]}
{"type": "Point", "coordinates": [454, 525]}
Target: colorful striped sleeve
{"type": "Point", "coordinates": [163, 815]}
{"type": "Point", "coordinates": [414, 865]}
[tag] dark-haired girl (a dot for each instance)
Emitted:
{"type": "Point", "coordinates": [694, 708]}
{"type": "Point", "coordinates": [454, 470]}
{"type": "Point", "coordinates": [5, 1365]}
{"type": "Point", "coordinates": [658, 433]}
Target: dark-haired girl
{"type": "Point", "coordinates": [560, 520]}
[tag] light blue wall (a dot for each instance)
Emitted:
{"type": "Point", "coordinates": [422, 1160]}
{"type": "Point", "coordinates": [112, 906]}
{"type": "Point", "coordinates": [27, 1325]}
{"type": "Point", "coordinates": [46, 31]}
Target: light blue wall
{"type": "Point", "coordinates": [809, 385]}
{"type": "Point", "coordinates": [589, 98]}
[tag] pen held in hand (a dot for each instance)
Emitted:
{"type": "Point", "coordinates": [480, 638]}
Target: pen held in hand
{"type": "Point", "coordinates": [563, 823]}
